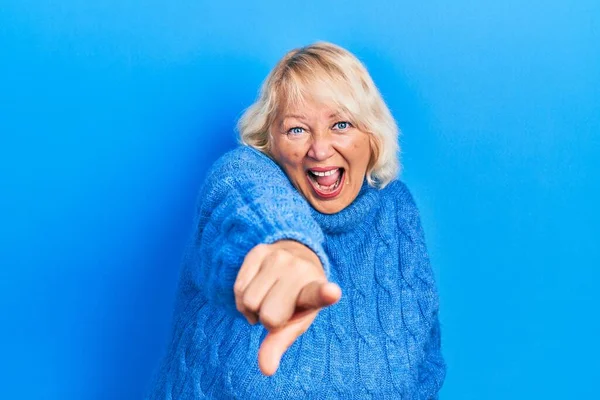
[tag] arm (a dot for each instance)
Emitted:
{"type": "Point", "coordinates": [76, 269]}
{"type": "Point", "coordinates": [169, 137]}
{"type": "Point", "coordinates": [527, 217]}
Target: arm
{"type": "Point", "coordinates": [246, 200]}
{"type": "Point", "coordinates": [431, 370]}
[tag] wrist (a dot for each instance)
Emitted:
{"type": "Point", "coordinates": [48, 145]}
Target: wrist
{"type": "Point", "coordinates": [298, 249]}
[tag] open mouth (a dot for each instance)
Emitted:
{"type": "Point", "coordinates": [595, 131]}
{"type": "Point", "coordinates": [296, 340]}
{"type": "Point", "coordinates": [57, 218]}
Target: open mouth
{"type": "Point", "coordinates": [326, 183]}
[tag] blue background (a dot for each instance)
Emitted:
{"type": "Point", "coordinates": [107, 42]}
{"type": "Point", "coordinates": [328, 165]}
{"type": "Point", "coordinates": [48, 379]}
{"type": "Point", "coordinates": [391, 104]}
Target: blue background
{"type": "Point", "coordinates": [111, 112]}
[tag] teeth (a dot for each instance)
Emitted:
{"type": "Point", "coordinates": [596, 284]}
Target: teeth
{"type": "Point", "coordinates": [330, 187]}
{"type": "Point", "coordinates": [327, 173]}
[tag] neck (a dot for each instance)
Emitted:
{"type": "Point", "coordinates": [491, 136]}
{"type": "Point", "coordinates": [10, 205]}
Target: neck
{"type": "Point", "coordinates": [364, 204]}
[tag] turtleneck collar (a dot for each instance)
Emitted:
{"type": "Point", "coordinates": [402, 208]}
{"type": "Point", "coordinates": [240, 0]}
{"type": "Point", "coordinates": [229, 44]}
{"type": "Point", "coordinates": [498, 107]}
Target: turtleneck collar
{"type": "Point", "coordinates": [364, 203]}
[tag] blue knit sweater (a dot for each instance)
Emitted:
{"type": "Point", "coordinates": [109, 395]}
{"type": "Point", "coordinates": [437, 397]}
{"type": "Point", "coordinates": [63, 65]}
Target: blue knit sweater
{"type": "Point", "coordinates": [380, 341]}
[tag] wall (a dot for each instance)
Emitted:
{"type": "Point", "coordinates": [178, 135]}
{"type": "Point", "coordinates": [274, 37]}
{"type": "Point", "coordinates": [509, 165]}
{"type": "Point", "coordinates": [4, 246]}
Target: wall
{"type": "Point", "coordinates": [111, 112]}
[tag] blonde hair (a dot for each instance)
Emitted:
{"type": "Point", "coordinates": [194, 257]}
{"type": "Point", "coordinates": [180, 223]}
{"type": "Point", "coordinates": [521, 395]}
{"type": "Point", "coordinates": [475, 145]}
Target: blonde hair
{"type": "Point", "coordinates": [329, 73]}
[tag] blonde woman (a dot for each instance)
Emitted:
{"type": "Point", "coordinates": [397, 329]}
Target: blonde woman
{"type": "Point", "coordinates": [307, 274]}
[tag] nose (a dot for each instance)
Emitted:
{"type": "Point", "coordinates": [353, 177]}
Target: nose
{"type": "Point", "coordinates": [321, 146]}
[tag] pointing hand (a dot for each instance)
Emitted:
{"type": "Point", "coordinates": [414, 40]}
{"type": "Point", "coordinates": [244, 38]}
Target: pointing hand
{"type": "Point", "coordinates": [283, 286]}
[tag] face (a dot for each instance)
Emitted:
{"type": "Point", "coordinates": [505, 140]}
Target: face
{"type": "Point", "coordinates": [324, 155]}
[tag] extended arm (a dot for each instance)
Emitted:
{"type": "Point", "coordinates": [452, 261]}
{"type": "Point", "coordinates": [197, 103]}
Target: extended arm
{"type": "Point", "coordinates": [246, 200]}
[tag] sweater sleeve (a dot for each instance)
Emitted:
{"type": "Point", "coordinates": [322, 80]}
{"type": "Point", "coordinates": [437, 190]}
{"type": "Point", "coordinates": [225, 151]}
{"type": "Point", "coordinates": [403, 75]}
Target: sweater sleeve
{"type": "Point", "coordinates": [246, 200]}
{"type": "Point", "coordinates": [431, 370]}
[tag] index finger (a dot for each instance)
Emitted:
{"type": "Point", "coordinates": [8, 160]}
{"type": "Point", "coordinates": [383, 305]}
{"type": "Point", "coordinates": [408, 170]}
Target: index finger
{"type": "Point", "coordinates": [277, 341]}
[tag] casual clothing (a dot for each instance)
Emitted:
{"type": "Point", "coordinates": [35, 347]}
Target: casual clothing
{"type": "Point", "coordinates": [380, 341]}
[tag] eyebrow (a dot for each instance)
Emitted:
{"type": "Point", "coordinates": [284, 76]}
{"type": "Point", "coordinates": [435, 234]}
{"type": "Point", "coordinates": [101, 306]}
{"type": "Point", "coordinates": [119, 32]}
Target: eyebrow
{"type": "Point", "coordinates": [300, 116]}
{"type": "Point", "coordinates": [297, 116]}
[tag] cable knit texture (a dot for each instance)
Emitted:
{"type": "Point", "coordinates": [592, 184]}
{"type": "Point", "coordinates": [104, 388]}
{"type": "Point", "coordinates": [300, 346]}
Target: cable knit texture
{"type": "Point", "coordinates": [380, 341]}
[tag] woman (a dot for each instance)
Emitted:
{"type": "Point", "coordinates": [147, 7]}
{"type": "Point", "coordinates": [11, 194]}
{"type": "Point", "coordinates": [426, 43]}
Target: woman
{"type": "Point", "coordinates": [307, 275]}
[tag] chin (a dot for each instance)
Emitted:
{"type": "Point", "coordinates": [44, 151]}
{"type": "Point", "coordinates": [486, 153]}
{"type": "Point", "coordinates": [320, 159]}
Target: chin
{"type": "Point", "coordinates": [325, 207]}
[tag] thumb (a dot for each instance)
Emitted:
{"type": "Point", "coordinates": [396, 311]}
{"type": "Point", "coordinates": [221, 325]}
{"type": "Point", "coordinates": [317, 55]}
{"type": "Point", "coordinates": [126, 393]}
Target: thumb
{"type": "Point", "coordinates": [318, 294]}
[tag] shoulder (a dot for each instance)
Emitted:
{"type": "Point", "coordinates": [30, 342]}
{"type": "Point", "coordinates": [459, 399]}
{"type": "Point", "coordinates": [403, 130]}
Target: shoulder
{"type": "Point", "coordinates": [244, 164]}
{"type": "Point", "coordinates": [398, 199]}
{"type": "Point", "coordinates": [398, 194]}
{"type": "Point", "coordinates": [243, 158]}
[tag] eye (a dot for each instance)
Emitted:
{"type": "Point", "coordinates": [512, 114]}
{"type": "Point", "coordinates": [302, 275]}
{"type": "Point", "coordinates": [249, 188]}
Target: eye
{"type": "Point", "coordinates": [295, 131]}
{"type": "Point", "coordinates": [342, 125]}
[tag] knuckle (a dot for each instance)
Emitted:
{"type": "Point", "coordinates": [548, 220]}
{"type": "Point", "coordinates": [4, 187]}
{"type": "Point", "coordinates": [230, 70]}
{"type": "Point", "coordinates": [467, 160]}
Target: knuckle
{"type": "Point", "coordinates": [237, 289]}
{"type": "Point", "coordinates": [257, 250]}
{"type": "Point", "coordinates": [302, 267]}
{"type": "Point", "coordinates": [269, 321]}
{"type": "Point", "coordinates": [307, 270]}
{"type": "Point", "coordinates": [261, 249]}
{"type": "Point", "coordinates": [250, 303]}
{"type": "Point", "coordinates": [280, 256]}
